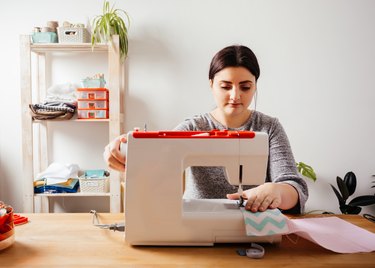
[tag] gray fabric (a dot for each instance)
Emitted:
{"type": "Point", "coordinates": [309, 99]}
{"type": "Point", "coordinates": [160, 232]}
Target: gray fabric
{"type": "Point", "coordinates": [210, 182]}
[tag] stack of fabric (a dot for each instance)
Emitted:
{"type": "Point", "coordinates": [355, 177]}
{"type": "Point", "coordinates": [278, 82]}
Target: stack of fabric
{"type": "Point", "coordinates": [52, 111]}
{"type": "Point", "coordinates": [70, 186]}
{"type": "Point", "coordinates": [57, 178]}
{"type": "Point", "coordinates": [60, 104]}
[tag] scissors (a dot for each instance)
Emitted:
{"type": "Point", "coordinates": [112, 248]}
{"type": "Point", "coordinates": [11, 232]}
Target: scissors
{"type": "Point", "coordinates": [19, 220]}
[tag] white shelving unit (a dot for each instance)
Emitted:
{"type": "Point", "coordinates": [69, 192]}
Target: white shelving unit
{"type": "Point", "coordinates": [35, 133]}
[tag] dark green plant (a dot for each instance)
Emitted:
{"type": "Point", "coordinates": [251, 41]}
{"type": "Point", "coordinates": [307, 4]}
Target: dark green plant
{"type": "Point", "coordinates": [346, 189]}
{"type": "Point", "coordinates": [110, 23]}
{"type": "Point", "coordinates": [306, 170]}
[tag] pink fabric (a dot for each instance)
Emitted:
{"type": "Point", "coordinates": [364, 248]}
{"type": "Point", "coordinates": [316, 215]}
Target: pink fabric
{"type": "Point", "coordinates": [334, 234]}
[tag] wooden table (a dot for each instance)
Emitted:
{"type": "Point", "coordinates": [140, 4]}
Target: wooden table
{"type": "Point", "coordinates": [53, 240]}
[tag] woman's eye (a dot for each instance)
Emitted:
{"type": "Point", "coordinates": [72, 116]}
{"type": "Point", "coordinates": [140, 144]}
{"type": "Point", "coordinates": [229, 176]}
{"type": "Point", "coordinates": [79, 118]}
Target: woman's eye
{"type": "Point", "coordinates": [226, 87]}
{"type": "Point", "coordinates": [245, 88]}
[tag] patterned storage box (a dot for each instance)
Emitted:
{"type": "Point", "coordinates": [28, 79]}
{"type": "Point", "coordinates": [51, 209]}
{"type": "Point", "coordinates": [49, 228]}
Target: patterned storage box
{"type": "Point", "coordinates": [73, 35]}
{"type": "Point", "coordinates": [93, 185]}
{"type": "Point", "coordinates": [94, 181]}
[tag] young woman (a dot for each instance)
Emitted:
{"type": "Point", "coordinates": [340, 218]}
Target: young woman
{"type": "Point", "coordinates": [233, 76]}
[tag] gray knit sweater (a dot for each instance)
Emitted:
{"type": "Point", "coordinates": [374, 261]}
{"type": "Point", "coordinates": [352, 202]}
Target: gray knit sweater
{"type": "Point", "coordinates": [210, 182]}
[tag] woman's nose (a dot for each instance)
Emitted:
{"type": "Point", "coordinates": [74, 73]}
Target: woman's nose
{"type": "Point", "coordinates": [234, 94]}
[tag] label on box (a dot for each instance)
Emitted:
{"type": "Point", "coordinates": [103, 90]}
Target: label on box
{"type": "Point", "coordinates": [92, 183]}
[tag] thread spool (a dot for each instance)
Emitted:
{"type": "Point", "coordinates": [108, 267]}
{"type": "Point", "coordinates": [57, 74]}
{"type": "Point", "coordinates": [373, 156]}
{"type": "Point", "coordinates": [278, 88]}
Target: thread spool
{"type": "Point", "coordinates": [46, 29]}
{"type": "Point", "coordinates": [52, 25]}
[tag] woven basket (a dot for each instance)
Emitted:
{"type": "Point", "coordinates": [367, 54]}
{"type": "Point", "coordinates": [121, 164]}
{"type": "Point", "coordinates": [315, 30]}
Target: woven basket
{"type": "Point", "coordinates": [73, 35]}
{"type": "Point", "coordinates": [93, 185]}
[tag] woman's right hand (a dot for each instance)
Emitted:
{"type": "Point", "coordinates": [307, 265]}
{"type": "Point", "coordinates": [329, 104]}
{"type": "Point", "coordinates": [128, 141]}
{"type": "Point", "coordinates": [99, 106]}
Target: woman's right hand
{"type": "Point", "coordinates": [112, 155]}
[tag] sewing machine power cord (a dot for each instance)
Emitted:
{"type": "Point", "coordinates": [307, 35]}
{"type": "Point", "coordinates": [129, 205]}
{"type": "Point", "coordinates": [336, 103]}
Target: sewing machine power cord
{"type": "Point", "coordinates": [255, 251]}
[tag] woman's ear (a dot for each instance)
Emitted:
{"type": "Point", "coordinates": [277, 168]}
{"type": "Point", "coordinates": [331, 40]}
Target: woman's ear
{"type": "Point", "coordinates": [211, 83]}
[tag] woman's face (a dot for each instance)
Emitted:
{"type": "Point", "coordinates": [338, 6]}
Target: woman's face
{"type": "Point", "coordinates": [233, 89]}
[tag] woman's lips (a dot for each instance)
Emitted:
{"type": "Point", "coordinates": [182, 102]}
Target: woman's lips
{"type": "Point", "coordinates": [234, 104]}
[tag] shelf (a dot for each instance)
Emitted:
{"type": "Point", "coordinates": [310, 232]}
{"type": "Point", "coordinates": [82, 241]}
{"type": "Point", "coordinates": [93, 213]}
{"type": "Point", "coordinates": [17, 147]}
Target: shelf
{"type": "Point", "coordinates": [90, 120]}
{"type": "Point", "coordinates": [34, 68]}
{"type": "Point", "coordinates": [73, 120]}
{"type": "Point", "coordinates": [79, 194]}
{"type": "Point", "coordinates": [69, 47]}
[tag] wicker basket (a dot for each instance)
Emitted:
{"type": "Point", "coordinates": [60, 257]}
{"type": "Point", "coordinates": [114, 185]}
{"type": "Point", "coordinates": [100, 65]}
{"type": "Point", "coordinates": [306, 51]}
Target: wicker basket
{"type": "Point", "coordinates": [73, 35]}
{"type": "Point", "coordinates": [93, 185]}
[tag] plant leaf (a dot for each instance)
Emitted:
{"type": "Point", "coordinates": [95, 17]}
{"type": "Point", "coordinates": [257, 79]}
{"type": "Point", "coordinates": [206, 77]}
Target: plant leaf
{"type": "Point", "coordinates": [364, 200]}
{"type": "Point", "coordinates": [353, 210]}
{"type": "Point", "coordinates": [343, 209]}
{"type": "Point", "coordinates": [351, 182]}
{"type": "Point", "coordinates": [306, 171]}
{"type": "Point", "coordinates": [339, 197]}
{"type": "Point", "coordinates": [342, 187]}
{"type": "Point", "coordinates": [111, 22]}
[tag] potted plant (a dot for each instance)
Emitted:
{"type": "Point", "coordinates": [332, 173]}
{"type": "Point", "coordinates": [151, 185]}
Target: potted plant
{"type": "Point", "coordinates": [346, 188]}
{"type": "Point", "coordinates": [111, 22]}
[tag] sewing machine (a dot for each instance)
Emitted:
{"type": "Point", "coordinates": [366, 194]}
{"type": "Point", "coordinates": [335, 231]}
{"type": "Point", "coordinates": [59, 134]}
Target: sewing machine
{"type": "Point", "coordinates": [155, 211]}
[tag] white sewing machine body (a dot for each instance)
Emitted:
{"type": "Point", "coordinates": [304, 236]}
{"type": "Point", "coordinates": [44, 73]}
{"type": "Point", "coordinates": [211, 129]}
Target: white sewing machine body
{"type": "Point", "coordinates": [155, 211]}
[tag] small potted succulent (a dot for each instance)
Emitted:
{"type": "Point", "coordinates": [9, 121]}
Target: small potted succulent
{"type": "Point", "coordinates": [111, 22]}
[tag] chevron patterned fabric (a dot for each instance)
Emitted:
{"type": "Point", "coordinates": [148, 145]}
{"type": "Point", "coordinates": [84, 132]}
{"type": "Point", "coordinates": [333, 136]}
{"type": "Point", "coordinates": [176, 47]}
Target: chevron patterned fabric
{"type": "Point", "coordinates": [269, 222]}
{"type": "Point", "coordinates": [331, 233]}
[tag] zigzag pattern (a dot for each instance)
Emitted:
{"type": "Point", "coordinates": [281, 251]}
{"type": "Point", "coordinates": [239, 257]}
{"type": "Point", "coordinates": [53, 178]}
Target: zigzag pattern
{"type": "Point", "coordinates": [269, 222]}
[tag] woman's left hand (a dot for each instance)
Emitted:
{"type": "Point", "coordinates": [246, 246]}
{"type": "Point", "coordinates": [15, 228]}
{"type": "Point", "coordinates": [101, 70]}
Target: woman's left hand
{"type": "Point", "coordinates": [262, 197]}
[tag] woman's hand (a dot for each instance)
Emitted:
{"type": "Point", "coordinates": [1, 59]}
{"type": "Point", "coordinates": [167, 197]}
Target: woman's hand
{"type": "Point", "coordinates": [112, 155]}
{"type": "Point", "coordinates": [268, 195]}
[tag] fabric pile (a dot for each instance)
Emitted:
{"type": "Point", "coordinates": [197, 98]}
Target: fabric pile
{"type": "Point", "coordinates": [60, 103]}
{"type": "Point", "coordinates": [52, 111]}
{"type": "Point", "coordinates": [57, 178]}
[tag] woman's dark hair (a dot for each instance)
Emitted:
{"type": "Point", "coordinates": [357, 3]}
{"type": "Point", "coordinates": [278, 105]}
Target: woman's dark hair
{"type": "Point", "coordinates": [234, 56]}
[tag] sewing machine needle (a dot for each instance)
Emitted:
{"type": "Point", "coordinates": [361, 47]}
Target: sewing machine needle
{"type": "Point", "coordinates": [240, 191]}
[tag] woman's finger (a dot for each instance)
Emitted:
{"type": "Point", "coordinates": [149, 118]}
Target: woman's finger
{"type": "Point", "coordinates": [234, 196]}
{"type": "Point", "coordinates": [251, 198]}
{"type": "Point", "coordinates": [117, 166]}
{"type": "Point", "coordinates": [115, 151]}
{"type": "Point", "coordinates": [275, 203]}
{"type": "Point", "coordinates": [267, 201]}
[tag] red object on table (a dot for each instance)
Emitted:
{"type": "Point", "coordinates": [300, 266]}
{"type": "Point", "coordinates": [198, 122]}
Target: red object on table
{"type": "Point", "coordinates": [19, 220]}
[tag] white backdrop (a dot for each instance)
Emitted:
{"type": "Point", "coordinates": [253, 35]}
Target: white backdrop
{"type": "Point", "coordinates": [317, 62]}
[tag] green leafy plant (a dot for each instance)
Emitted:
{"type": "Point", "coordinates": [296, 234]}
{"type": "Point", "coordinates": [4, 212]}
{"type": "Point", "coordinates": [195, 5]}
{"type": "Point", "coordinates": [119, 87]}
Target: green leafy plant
{"type": "Point", "coordinates": [346, 188]}
{"type": "Point", "coordinates": [306, 170]}
{"type": "Point", "coordinates": [111, 22]}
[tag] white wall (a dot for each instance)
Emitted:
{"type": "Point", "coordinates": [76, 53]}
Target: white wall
{"type": "Point", "coordinates": [317, 63]}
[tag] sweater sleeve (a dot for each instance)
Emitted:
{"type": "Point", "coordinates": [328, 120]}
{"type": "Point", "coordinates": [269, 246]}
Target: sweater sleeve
{"type": "Point", "coordinates": [282, 167]}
